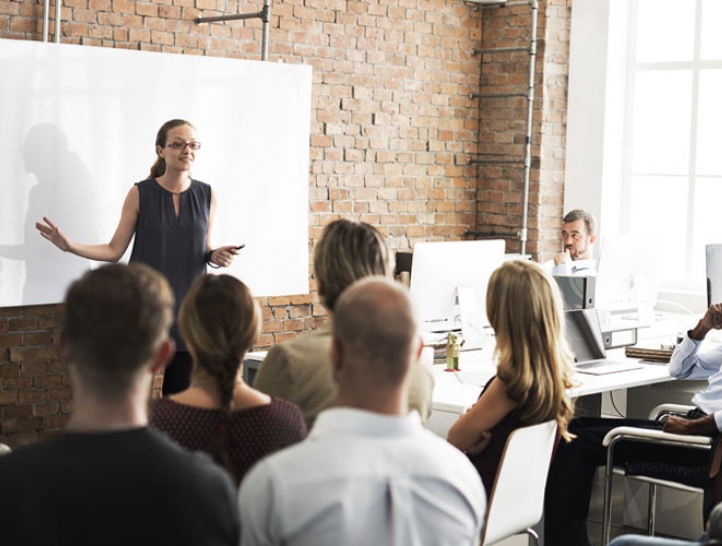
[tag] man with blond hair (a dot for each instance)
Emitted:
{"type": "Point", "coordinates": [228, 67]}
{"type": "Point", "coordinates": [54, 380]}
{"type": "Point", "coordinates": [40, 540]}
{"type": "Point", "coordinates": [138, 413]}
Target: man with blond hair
{"type": "Point", "coordinates": [368, 473]}
{"type": "Point", "coordinates": [300, 369]}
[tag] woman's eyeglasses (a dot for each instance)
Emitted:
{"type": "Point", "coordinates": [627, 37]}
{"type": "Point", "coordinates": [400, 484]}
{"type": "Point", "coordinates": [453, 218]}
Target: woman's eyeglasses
{"type": "Point", "coordinates": [180, 145]}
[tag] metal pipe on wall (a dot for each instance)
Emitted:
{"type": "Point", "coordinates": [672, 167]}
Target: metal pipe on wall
{"type": "Point", "coordinates": [46, 19]}
{"type": "Point", "coordinates": [58, 5]}
{"type": "Point", "coordinates": [534, 4]}
{"type": "Point", "coordinates": [264, 15]}
{"type": "Point", "coordinates": [527, 152]}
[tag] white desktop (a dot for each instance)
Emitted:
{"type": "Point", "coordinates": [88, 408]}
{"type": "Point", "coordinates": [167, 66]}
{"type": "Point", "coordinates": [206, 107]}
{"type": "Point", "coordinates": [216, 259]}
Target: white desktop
{"type": "Point", "coordinates": [448, 286]}
{"type": "Point", "coordinates": [626, 280]}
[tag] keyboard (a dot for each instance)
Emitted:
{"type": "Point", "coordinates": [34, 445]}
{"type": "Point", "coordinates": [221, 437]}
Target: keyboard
{"type": "Point", "coordinates": [603, 366]}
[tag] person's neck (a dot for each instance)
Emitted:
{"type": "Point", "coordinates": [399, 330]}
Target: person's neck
{"type": "Point", "coordinates": [393, 403]}
{"type": "Point", "coordinates": [175, 182]}
{"type": "Point", "coordinates": [93, 413]}
{"type": "Point", "coordinates": [203, 393]}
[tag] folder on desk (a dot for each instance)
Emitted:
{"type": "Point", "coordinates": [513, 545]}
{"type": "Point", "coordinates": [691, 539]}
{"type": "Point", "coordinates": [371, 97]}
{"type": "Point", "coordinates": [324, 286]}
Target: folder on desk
{"type": "Point", "coordinates": [652, 354]}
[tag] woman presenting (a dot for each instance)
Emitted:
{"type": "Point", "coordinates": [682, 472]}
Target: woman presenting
{"type": "Point", "coordinates": [171, 216]}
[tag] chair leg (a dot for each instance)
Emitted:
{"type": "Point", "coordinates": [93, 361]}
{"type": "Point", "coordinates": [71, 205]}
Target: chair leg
{"type": "Point", "coordinates": [533, 536]}
{"type": "Point", "coordinates": [652, 509]}
{"type": "Point", "coordinates": [607, 507]}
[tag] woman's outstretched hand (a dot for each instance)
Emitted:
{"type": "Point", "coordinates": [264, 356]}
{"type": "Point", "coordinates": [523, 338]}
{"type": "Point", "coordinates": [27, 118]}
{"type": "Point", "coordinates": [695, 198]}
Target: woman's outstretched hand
{"type": "Point", "coordinates": [51, 232]}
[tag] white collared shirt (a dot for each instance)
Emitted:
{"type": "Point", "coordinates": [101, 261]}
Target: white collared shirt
{"type": "Point", "coordinates": [687, 363]}
{"type": "Point", "coordinates": [583, 268]}
{"type": "Point", "coordinates": [362, 478]}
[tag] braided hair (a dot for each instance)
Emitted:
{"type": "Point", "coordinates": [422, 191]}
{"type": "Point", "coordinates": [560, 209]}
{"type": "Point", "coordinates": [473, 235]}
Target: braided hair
{"type": "Point", "coordinates": [220, 321]}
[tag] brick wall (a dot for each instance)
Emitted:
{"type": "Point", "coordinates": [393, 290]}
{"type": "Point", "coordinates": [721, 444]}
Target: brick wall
{"type": "Point", "coordinates": [503, 125]}
{"type": "Point", "coordinates": [392, 129]}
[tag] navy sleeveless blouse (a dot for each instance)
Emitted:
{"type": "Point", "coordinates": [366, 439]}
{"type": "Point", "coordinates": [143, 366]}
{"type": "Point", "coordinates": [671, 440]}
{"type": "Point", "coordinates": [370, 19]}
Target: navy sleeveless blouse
{"type": "Point", "coordinates": [173, 245]}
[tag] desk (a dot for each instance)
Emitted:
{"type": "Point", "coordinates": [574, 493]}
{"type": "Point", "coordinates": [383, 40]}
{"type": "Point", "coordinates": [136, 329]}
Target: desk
{"type": "Point", "coordinates": [455, 392]}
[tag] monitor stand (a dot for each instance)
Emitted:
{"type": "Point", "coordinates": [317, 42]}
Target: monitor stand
{"type": "Point", "coordinates": [472, 325]}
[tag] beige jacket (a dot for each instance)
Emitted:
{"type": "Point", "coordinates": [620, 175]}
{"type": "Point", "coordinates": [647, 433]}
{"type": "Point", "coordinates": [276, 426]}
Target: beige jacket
{"type": "Point", "coordinates": [300, 371]}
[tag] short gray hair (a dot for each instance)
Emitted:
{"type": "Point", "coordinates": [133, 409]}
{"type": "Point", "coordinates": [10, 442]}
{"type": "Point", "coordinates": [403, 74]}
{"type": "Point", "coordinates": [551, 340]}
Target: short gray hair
{"type": "Point", "coordinates": [579, 214]}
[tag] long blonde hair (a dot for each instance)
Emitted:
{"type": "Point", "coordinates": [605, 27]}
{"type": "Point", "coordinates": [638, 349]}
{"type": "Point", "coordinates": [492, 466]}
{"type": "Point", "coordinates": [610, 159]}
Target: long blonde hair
{"type": "Point", "coordinates": [525, 309]}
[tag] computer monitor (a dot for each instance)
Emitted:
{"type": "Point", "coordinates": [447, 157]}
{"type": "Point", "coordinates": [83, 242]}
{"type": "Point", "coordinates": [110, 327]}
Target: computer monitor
{"type": "Point", "coordinates": [626, 277]}
{"type": "Point", "coordinates": [441, 271]}
{"type": "Point", "coordinates": [714, 273]}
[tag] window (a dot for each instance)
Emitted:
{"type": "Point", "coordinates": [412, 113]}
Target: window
{"type": "Point", "coordinates": [672, 176]}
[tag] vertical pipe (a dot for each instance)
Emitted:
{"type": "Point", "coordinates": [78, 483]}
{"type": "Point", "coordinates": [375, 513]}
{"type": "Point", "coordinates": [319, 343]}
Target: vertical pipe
{"type": "Point", "coordinates": [46, 19]}
{"type": "Point", "coordinates": [527, 150]}
{"type": "Point", "coordinates": [58, 5]}
{"type": "Point", "coordinates": [266, 21]}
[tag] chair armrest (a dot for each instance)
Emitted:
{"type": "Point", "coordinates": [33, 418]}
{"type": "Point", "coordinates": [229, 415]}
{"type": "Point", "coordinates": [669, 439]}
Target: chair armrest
{"type": "Point", "coordinates": [655, 436]}
{"type": "Point", "coordinates": [669, 408]}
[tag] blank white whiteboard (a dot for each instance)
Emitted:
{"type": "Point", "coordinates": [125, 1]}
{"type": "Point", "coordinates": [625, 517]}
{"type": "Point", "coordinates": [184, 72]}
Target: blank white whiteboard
{"type": "Point", "coordinates": [77, 130]}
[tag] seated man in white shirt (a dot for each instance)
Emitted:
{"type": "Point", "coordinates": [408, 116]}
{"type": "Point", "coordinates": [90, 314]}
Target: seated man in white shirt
{"type": "Point", "coordinates": [572, 470]}
{"type": "Point", "coordinates": [578, 237]}
{"type": "Point", "coordinates": [368, 472]}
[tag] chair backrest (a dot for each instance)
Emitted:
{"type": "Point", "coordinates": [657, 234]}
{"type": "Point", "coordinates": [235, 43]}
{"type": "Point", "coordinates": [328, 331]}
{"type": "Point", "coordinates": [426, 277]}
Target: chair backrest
{"type": "Point", "coordinates": [517, 498]}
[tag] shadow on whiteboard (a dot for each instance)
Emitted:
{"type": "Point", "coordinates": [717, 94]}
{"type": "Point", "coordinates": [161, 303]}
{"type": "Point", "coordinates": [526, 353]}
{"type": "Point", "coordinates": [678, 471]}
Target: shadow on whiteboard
{"type": "Point", "coordinates": [62, 188]}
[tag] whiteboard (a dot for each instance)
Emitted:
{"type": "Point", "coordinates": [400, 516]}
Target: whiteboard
{"type": "Point", "coordinates": [78, 127]}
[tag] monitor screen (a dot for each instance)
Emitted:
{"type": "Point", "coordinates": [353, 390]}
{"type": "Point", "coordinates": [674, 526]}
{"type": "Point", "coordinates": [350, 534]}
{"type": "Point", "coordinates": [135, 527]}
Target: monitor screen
{"type": "Point", "coordinates": [626, 274]}
{"type": "Point", "coordinates": [714, 274]}
{"type": "Point", "coordinates": [440, 268]}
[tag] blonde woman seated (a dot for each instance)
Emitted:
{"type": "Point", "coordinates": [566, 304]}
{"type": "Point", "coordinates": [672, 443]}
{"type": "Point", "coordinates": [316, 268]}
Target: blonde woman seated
{"type": "Point", "coordinates": [533, 366]}
{"type": "Point", "coordinates": [219, 413]}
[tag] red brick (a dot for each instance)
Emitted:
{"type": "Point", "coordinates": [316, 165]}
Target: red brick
{"type": "Point", "coordinates": [59, 394]}
{"type": "Point", "coordinates": [23, 354]}
{"type": "Point", "coordinates": [11, 383]}
{"type": "Point", "coordinates": [14, 412]}
{"type": "Point", "coordinates": [8, 398]}
{"type": "Point", "coordinates": [31, 397]}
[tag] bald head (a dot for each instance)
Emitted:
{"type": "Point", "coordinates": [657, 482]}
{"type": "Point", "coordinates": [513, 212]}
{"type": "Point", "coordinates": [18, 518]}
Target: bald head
{"type": "Point", "coordinates": [374, 333]}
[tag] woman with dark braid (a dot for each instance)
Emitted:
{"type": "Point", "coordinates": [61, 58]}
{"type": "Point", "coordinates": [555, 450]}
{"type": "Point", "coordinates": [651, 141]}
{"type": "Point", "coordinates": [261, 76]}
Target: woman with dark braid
{"type": "Point", "coordinates": [219, 413]}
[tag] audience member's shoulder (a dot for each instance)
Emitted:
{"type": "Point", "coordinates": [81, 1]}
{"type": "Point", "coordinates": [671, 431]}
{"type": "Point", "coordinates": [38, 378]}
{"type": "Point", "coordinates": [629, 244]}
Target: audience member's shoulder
{"type": "Point", "coordinates": [282, 406]}
{"type": "Point", "coordinates": [33, 456]}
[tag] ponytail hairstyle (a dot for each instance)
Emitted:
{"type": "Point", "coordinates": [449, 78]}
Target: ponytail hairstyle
{"type": "Point", "coordinates": [161, 139]}
{"type": "Point", "coordinates": [220, 321]}
{"type": "Point", "coordinates": [525, 309]}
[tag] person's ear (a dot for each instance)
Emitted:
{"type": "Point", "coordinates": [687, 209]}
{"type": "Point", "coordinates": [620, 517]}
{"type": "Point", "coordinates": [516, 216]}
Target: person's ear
{"type": "Point", "coordinates": [319, 289]}
{"type": "Point", "coordinates": [418, 350]}
{"type": "Point", "coordinates": [336, 359]}
{"type": "Point", "coordinates": [162, 356]}
{"type": "Point", "coordinates": [592, 238]}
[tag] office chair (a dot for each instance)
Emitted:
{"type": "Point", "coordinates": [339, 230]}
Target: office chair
{"type": "Point", "coordinates": [637, 472]}
{"type": "Point", "coordinates": [516, 502]}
